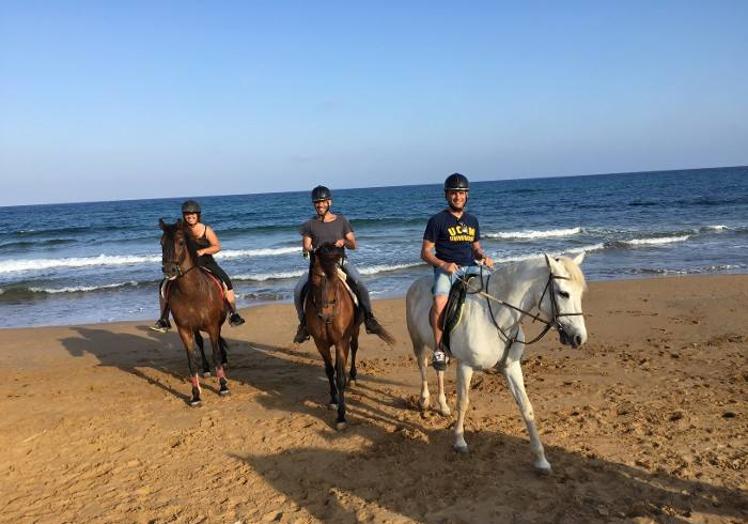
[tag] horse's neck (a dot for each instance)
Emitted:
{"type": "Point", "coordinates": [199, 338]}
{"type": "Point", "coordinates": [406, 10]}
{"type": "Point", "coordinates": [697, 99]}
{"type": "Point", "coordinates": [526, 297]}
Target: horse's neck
{"type": "Point", "coordinates": [520, 285]}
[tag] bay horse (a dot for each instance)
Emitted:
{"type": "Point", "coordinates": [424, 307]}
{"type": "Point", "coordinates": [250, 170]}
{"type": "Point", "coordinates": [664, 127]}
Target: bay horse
{"type": "Point", "coordinates": [197, 304]}
{"type": "Point", "coordinates": [333, 320]}
{"type": "Point", "coordinates": [489, 333]}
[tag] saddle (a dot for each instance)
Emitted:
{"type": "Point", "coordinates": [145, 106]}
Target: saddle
{"type": "Point", "coordinates": [349, 285]}
{"type": "Point", "coordinates": [166, 284]}
{"type": "Point", "coordinates": [454, 307]}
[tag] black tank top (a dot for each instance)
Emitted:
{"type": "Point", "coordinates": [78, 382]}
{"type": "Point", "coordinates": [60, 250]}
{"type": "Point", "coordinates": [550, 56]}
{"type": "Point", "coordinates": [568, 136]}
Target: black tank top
{"type": "Point", "coordinates": [201, 243]}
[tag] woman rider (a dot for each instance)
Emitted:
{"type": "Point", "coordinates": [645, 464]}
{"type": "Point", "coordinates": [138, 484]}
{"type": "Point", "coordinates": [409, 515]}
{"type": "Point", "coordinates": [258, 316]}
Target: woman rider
{"type": "Point", "coordinates": [207, 245]}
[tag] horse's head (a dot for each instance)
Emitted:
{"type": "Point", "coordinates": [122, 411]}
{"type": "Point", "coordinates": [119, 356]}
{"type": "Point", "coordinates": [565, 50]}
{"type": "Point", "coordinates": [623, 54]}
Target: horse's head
{"type": "Point", "coordinates": [323, 278]}
{"type": "Point", "coordinates": [328, 257]}
{"type": "Point", "coordinates": [176, 249]}
{"type": "Point", "coordinates": [562, 299]}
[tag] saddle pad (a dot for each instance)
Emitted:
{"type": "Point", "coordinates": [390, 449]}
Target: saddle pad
{"type": "Point", "coordinates": [453, 310]}
{"type": "Point", "coordinates": [344, 278]}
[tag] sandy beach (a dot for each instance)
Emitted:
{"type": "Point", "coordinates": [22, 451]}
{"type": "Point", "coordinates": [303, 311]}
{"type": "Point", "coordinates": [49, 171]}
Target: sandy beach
{"type": "Point", "coordinates": [645, 423]}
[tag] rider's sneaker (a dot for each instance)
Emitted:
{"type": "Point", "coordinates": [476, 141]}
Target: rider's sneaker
{"type": "Point", "coordinates": [372, 326]}
{"type": "Point", "coordinates": [439, 360]}
{"type": "Point", "coordinates": [161, 326]}
{"type": "Point", "coordinates": [236, 320]}
{"type": "Point", "coordinates": [301, 334]}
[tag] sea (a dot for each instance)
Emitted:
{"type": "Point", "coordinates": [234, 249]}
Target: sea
{"type": "Point", "coordinates": [63, 264]}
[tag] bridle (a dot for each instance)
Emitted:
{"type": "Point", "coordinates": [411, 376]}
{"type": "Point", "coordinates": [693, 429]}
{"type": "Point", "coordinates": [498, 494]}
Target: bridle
{"type": "Point", "coordinates": [555, 310]}
{"type": "Point", "coordinates": [327, 318]}
{"type": "Point", "coordinates": [176, 262]}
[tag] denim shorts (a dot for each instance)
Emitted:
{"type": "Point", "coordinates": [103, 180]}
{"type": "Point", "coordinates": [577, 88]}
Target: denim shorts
{"type": "Point", "coordinates": [443, 281]}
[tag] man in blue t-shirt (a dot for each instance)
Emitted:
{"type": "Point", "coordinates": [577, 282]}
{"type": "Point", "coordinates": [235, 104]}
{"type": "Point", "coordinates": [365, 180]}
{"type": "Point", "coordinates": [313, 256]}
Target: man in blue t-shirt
{"type": "Point", "coordinates": [455, 235]}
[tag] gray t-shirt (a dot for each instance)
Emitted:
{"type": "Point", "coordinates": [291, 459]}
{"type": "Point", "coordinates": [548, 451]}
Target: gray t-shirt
{"type": "Point", "coordinates": [324, 232]}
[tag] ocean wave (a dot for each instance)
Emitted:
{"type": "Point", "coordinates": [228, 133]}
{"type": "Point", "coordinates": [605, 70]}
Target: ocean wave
{"type": "Point", "coordinates": [528, 256]}
{"type": "Point", "coordinates": [261, 277]}
{"type": "Point", "coordinates": [533, 234]}
{"type": "Point", "coordinates": [16, 292]}
{"type": "Point", "coordinates": [386, 268]}
{"type": "Point", "coordinates": [41, 264]}
{"type": "Point", "coordinates": [653, 241]}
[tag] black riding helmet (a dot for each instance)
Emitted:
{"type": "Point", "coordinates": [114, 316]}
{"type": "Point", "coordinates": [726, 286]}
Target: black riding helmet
{"type": "Point", "coordinates": [456, 182]}
{"type": "Point", "coordinates": [320, 193]}
{"type": "Point", "coordinates": [191, 206]}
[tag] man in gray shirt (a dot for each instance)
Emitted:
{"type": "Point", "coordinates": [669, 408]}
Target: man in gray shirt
{"type": "Point", "coordinates": [328, 227]}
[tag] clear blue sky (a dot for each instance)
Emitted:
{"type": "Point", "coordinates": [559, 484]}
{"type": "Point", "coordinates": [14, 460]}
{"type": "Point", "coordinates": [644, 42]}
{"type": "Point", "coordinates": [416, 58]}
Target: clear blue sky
{"type": "Point", "coordinates": [114, 100]}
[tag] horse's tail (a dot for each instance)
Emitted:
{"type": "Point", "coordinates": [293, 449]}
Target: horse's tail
{"type": "Point", "coordinates": [383, 334]}
{"type": "Point", "coordinates": [224, 346]}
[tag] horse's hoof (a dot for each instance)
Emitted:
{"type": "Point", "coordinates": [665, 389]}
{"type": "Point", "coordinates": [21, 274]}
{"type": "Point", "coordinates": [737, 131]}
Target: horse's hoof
{"type": "Point", "coordinates": [195, 402]}
{"type": "Point", "coordinates": [445, 411]}
{"type": "Point", "coordinates": [352, 383]}
{"type": "Point", "coordinates": [224, 391]}
{"type": "Point", "coordinates": [461, 448]}
{"type": "Point", "coordinates": [206, 374]}
{"type": "Point", "coordinates": [340, 426]}
{"type": "Point", "coordinates": [332, 406]}
{"type": "Point", "coordinates": [543, 469]}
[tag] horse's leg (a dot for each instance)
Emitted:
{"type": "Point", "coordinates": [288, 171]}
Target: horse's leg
{"type": "Point", "coordinates": [513, 374]}
{"type": "Point", "coordinates": [423, 365]}
{"type": "Point", "coordinates": [192, 363]}
{"type": "Point", "coordinates": [464, 375]}
{"type": "Point", "coordinates": [218, 354]}
{"type": "Point", "coordinates": [354, 350]}
{"type": "Point", "coordinates": [341, 356]}
{"type": "Point", "coordinates": [201, 345]}
{"type": "Point", "coordinates": [324, 350]}
{"type": "Point", "coordinates": [441, 395]}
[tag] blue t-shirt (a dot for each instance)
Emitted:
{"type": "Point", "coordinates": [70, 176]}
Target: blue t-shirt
{"type": "Point", "coordinates": [453, 238]}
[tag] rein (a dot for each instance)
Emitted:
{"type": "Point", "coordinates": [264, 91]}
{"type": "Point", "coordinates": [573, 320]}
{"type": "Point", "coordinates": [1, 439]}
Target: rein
{"type": "Point", "coordinates": [535, 317]}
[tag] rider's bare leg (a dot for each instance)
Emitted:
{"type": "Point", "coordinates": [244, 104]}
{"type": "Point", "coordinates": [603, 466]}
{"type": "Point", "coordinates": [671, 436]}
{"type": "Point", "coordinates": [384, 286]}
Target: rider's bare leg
{"type": "Point", "coordinates": [437, 313]}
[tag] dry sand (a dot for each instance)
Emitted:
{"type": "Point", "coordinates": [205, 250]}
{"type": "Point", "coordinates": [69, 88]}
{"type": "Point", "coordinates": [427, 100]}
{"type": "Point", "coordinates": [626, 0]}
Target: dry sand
{"type": "Point", "coordinates": [647, 422]}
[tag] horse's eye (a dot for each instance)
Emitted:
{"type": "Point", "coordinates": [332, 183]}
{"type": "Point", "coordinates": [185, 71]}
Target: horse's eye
{"type": "Point", "coordinates": [181, 242]}
{"type": "Point", "coordinates": [564, 294]}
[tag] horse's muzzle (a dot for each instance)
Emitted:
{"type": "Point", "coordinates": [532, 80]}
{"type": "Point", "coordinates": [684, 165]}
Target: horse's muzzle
{"type": "Point", "coordinates": [569, 340]}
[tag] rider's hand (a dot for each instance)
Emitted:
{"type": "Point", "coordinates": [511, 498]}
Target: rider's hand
{"type": "Point", "coordinates": [488, 261]}
{"type": "Point", "coordinates": [449, 267]}
{"type": "Point", "coordinates": [340, 243]}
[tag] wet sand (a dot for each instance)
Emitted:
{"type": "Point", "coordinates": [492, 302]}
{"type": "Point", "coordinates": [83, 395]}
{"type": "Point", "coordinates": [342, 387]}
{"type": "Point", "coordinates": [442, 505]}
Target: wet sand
{"type": "Point", "coordinates": [645, 423]}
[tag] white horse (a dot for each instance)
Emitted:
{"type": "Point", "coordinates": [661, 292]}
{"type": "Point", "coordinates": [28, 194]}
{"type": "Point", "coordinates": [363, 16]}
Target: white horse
{"type": "Point", "coordinates": [489, 333]}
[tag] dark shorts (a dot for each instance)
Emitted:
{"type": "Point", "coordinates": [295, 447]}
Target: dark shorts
{"type": "Point", "coordinates": [217, 271]}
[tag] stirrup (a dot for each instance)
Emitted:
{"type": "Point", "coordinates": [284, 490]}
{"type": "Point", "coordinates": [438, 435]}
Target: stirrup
{"type": "Point", "coordinates": [439, 361]}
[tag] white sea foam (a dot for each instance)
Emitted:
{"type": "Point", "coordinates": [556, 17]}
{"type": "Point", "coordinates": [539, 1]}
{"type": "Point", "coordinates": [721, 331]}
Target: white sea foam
{"type": "Point", "coordinates": [260, 252]}
{"type": "Point", "coordinates": [717, 227]}
{"type": "Point", "coordinates": [533, 234]}
{"type": "Point", "coordinates": [280, 275]}
{"type": "Point", "coordinates": [41, 264]}
{"type": "Point", "coordinates": [384, 268]}
{"type": "Point", "coordinates": [528, 256]}
{"type": "Point", "coordinates": [81, 289]}
{"type": "Point", "coordinates": [655, 241]}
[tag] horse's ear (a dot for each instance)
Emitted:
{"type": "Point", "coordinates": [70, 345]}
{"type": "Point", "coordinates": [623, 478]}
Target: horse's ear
{"type": "Point", "coordinates": [579, 258]}
{"type": "Point", "coordinates": [161, 224]}
{"type": "Point", "coordinates": [553, 264]}
{"type": "Point", "coordinates": [179, 223]}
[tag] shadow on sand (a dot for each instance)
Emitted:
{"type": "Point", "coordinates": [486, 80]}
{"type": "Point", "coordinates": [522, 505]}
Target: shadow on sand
{"type": "Point", "coordinates": [409, 470]}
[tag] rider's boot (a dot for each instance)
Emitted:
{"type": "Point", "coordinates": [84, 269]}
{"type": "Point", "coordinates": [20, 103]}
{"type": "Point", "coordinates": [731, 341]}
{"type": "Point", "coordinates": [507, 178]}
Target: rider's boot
{"type": "Point", "coordinates": [235, 319]}
{"type": "Point", "coordinates": [162, 325]}
{"type": "Point", "coordinates": [302, 333]}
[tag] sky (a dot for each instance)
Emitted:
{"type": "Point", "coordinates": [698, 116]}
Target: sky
{"type": "Point", "coordinates": [121, 100]}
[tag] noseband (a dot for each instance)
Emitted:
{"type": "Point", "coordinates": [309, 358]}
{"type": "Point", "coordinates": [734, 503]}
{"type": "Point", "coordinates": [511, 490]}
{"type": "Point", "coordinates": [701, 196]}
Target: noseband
{"type": "Point", "coordinates": [327, 318]}
{"type": "Point", "coordinates": [555, 311]}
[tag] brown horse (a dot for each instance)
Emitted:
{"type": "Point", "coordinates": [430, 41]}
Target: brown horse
{"type": "Point", "coordinates": [196, 301]}
{"type": "Point", "coordinates": [333, 320]}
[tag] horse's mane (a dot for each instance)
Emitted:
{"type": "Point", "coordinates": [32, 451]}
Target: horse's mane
{"type": "Point", "coordinates": [328, 255]}
{"type": "Point", "coordinates": [575, 274]}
